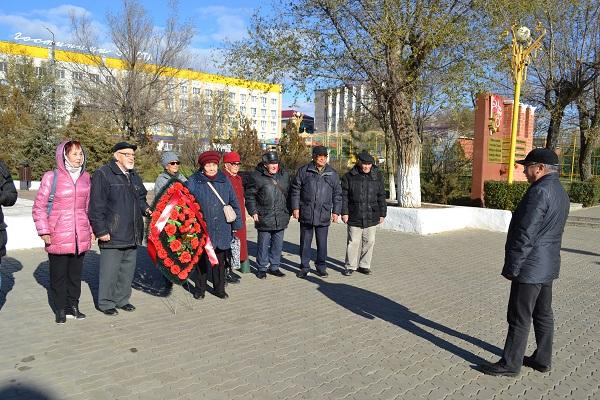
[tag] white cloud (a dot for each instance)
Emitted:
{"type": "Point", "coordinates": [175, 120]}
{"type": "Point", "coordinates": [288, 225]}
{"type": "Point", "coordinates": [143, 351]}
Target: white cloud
{"type": "Point", "coordinates": [222, 23]}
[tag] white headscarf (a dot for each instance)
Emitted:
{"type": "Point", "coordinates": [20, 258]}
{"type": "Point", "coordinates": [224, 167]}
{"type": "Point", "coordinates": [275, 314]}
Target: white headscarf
{"type": "Point", "coordinates": [73, 171]}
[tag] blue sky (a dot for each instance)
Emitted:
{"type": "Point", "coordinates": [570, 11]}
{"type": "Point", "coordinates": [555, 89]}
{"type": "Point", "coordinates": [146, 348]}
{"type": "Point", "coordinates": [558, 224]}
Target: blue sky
{"type": "Point", "coordinates": [215, 21]}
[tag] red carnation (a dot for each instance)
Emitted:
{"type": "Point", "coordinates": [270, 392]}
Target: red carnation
{"type": "Point", "coordinates": [183, 275]}
{"type": "Point", "coordinates": [185, 257]}
{"type": "Point", "coordinates": [177, 186]}
{"type": "Point", "coordinates": [168, 263]}
{"type": "Point", "coordinates": [170, 229]}
{"type": "Point", "coordinates": [183, 229]}
{"type": "Point", "coordinates": [195, 243]}
{"type": "Point", "coordinates": [175, 270]}
{"type": "Point", "coordinates": [175, 245]}
{"type": "Point", "coordinates": [162, 253]}
{"type": "Point", "coordinates": [181, 217]}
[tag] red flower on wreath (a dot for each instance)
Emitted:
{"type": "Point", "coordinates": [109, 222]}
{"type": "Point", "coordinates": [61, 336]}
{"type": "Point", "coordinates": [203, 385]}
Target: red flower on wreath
{"type": "Point", "coordinates": [185, 257]}
{"type": "Point", "coordinates": [175, 270]}
{"type": "Point", "coordinates": [162, 253]}
{"type": "Point", "coordinates": [175, 245]}
{"type": "Point", "coordinates": [168, 263]}
{"type": "Point", "coordinates": [170, 229]}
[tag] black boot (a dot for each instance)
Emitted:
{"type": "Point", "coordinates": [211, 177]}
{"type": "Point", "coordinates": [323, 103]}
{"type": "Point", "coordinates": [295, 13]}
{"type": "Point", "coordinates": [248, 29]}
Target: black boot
{"type": "Point", "coordinates": [73, 312]}
{"type": "Point", "coordinates": [61, 317]}
{"type": "Point", "coordinates": [231, 277]}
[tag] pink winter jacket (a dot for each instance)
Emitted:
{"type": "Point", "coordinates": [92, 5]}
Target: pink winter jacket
{"type": "Point", "coordinates": [68, 221]}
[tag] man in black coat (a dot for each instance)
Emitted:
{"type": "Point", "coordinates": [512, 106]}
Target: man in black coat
{"type": "Point", "coordinates": [117, 206]}
{"type": "Point", "coordinates": [8, 197]}
{"type": "Point", "coordinates": [531, 263]}
{"type": "Point", "coordinates": [267, 203]}
{"type": "Point", "coordinates": [316, 198]}
{"type": "Point", "coordinates": [363, 208]}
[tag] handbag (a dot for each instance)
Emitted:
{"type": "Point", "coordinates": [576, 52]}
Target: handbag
{"type": "Point", "coordinates": [228, 211]}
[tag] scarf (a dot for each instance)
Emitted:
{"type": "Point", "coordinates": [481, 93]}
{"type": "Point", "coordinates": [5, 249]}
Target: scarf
{"type": "Point", "coordinates": [75, 172]}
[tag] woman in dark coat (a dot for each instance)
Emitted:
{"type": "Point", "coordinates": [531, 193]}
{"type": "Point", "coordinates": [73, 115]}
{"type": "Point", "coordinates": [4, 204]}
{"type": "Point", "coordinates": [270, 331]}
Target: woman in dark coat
{"type": "Point", "coordinates": [219, 230]}
{"type": "Point", "coordinates": [8, 197]}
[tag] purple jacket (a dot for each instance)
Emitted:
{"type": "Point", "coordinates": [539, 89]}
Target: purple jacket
{"type": "Point", "coordinates": [68, 221]}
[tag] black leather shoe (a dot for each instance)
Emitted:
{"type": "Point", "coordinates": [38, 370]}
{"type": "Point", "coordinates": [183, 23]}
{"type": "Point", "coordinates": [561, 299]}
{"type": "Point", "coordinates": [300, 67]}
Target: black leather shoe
{"type": "Point", "coordinates": [322, 274]}
{"type": "Point", "coordinates": [261, 275]}
{"type": "Point", "coordinates": [198, 295]}
{"type": "Point", "coordinates": [498, 369]}
{"type": "Point", "coordinates": [61, 317]}
{"type": "Point", "coordinates": [232, 278]}
{"type": "Point", "coordinates": [128, 307]}
{"type": "Point", "coordinates": [347, 272]}
{"type": "Point", "coordinates": [73, 312]}
{"type": "Point", "coordinates": [531, 363]}
{"type": "Point", "coordinates": [366, 271]}
{"type": "Point", "coordinates": [110, 311]}
{"type": "Point", "coordinates": [277, 273]}
{"type": "Point", "coordinates": [303, 273]}
{"type": "Point", "coordinates": [222, 295]}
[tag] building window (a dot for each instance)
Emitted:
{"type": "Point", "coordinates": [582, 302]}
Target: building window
{"type": "Point", "coordinates": [111, 79]}
{"type": "Point", "coordinates": [170, 104]}
{"type": "Point", "coordinates": [231, 96]}
{"type": "Point", "coordinates": [253, 111]}
{"type": "Point", "coordinates": [196, 90]}
{"type": "Point", "coordinates": [39, 71]}
{"type": "Point", "coordinates": [254, 99]}
{"type": "Point", "coordinates": [263, 112]}
{"type": "Point", "coordinates": [77, 76]}
{"type": "Point", "coordinates": [183, 103]}
{"type": "Point", "coordinates": [208, 92]}
{"type": "Point", "coordinates": [273, 126]}
{"type": "Point", "coordinates": [60, 73]}
{"type": "Point", "coordinates": [273, 102]}
{"type": "Point", "coordinates": [263, 101]}
{"type": "Point", "coordinates": [183, 89]}
{"type": "Point", "coordinates": [273, 114]}
{"type": "Point", "coordinates": [263, 125]}
{"type": "Point", "coordinates": [231, 109]}
{"type": "Point", "coordinates": [243, 110]}
{"type": "Point", "coordinates": [94, 78]}
{"type": "Point", "coordinates": [243, 98]}
{"type": "Point", "coordinates": [3, 66]}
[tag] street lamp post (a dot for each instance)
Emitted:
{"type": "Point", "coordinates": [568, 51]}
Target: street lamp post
{"type": "Point", "coordinates": [522, 47]}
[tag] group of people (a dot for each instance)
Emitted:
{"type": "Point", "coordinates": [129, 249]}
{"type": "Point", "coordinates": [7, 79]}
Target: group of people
{"type": "Point", "coordinates": [72, 210]}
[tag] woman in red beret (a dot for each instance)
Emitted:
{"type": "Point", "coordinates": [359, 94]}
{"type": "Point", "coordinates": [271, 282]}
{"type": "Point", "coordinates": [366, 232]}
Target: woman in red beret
{"type": "Point", "coordinates": [203, 184]}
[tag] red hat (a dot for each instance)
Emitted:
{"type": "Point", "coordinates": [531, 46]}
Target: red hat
{"type": "Point", "coordinates": [208, 157]}
{"type": "Point", "coordinates": [231, 157]}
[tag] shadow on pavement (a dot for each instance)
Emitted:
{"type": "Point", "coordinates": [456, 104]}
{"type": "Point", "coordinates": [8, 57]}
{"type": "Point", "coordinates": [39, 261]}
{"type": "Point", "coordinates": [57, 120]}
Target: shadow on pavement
{"type": "Point", "coordinates": [8, 267]}
{"type": "Point", "coordinates": [18, 391]}
{"type": "Point", "coordinates": [148, 277]}
{"type": "Point", "coordinates": [372, 305]}
{"type": "Point", "coordinates": [577, 251]}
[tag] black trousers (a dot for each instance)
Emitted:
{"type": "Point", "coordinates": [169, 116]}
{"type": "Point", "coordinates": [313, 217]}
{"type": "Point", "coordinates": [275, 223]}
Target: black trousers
{"type": "Point", "coordinates": [65, 279]}
{"type": "Point", "coordinates": [306, 235]}
{"type": "Point", "coordinates": [217, 273]}
{"type": "Point", "coordinates": [527, 302]}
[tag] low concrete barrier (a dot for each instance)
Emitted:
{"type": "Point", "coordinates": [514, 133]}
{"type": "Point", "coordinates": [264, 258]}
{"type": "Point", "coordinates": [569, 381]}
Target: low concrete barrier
{"type": "Point", "coordinates": [432, 219]}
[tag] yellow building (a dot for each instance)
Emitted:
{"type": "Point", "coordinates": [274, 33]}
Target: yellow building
{"type": "Point", "coordinates": [258, 102]}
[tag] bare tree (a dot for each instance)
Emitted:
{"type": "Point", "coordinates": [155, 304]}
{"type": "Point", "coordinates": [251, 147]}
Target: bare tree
{"type": "Point", "coordinates": [588, 107]}
{"type": "Point", "coordinates": [387, 44]}
{"type": "Point", "coordinates": [134, 89]}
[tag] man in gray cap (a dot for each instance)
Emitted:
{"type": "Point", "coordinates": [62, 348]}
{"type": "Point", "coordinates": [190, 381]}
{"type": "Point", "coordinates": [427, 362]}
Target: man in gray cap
{"type": "Point", "coordinates": [531, 263]}
{"type": "Point", "coordinates": [363, 208]}
{"type": "Point", "coordinates": [316, 197]}
{"type": "Point", "coordinates": [117, 205]}
{"type": "Point", "coordinates": [170, 162]}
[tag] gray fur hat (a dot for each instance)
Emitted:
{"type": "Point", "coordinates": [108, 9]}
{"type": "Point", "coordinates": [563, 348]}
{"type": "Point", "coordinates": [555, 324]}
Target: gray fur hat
{"type": "Point", "coordinates": [167, 157]}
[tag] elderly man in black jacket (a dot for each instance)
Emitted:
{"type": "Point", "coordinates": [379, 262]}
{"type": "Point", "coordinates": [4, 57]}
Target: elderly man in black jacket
{"type": "Point", "coordinates": [267, 203]}
{"type": "Point", "coordinates": [531, 263]}
{"type": "Point", "coordinates": [316, 197]}
{"type": "Point", "coordinates": [363, 208]}
{"type": "Point", "coordinates": [8, 197]}
{"type": "Point", "coordinates": [117, 206]}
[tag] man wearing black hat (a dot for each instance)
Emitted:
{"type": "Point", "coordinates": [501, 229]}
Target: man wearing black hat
{"type": "Point", "coordinates": [117, 205]}
{"type": "Point", "coordinates": [267, 203]}
{"type": "Point", "coordinates": [363, 208]}
{"type": "Point", "coordinates": [316, 197]}
{"type": "Point", "coordinates": [531, 263]}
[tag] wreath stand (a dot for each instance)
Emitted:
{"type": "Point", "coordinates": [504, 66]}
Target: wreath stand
{"type": "Point", "coordinates": [175, 300]}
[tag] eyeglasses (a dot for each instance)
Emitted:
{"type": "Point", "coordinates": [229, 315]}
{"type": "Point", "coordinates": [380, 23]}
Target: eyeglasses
{"type": "Point", "coordinates": [174, 163]}
{"type": "Point", "coordinates": [128, 155]}
{"type": "Point", "coordinates": [237, 164]}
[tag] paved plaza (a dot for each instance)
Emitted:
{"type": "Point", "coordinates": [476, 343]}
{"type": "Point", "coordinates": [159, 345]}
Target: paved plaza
{"type": "Point", "coordinates": [434, 307]}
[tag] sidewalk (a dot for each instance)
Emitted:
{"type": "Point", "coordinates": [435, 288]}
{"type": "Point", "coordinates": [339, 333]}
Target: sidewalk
{"type": "Point", "coordinates": [433, 307]}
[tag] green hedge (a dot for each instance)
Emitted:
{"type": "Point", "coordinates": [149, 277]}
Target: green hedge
{"type": "Point", "coordinates": [586, 193]}
{"type": "Point", "coordinates": [503, 196]}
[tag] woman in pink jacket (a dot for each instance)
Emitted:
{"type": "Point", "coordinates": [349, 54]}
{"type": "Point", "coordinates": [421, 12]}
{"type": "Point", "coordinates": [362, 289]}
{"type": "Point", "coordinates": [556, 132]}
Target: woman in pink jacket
{"type": "Point", "coordinates": [64, 226]}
